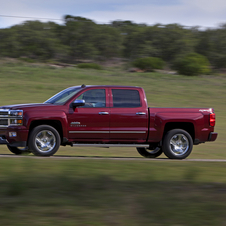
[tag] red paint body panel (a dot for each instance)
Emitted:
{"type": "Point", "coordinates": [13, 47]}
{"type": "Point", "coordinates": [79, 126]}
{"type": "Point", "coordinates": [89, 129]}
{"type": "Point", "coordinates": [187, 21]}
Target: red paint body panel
{"type": "Point", "coordinates": [90, 123]}
{"type": "Point", "coordinates": [159, 117]}
{"type": "Point", "coordinates": [125, 124]}
{"type": "Point", "coordinates": [111, 124]}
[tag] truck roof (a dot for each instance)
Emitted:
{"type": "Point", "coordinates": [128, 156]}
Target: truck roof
{"type": "Point", "coordinates": [107, 86]}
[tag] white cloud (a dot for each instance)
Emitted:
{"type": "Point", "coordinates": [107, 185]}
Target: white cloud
{"type": "Point", "coordinates": [189, 13]}
{"type": "Point", "coordinates": [216, 6]}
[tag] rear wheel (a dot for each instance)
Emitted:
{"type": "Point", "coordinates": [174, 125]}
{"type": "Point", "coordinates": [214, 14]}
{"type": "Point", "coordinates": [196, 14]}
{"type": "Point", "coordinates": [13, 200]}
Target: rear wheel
{"type": "Point", "coordinates": [177, 144]}
{"type": "Point", "coordinates": [44, 140]}
{"type": "Point", "coordinates": [19, 150]}
{"type": "Point", "coordinates": [150, 153]}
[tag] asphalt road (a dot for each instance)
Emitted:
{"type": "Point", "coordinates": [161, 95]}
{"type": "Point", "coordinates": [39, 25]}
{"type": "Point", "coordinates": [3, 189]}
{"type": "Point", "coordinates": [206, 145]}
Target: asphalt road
{"type": "Point", "coordinates": [109, 158]}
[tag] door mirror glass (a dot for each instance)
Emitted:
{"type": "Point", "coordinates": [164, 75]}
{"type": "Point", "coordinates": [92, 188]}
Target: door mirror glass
{"type": "Point", "coordinates": [77, 103]}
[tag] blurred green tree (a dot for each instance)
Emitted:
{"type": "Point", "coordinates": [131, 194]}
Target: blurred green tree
{"type": "Point", "coordinates": [192, 64]}
{"type": "Point", "coordinates": [81, 38]}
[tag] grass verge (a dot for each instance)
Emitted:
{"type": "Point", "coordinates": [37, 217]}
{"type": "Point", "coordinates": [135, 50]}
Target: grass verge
{"type": "Point", "coordinates": [93, 192]}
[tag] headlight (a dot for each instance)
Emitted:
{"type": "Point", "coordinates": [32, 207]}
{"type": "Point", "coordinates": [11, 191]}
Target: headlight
{"type": "Point", "coordinates": [16, 117]}
{"type": "Point", "coordinates": [16, 122]}
{"type": "Point", "coordinates": [16, 113]}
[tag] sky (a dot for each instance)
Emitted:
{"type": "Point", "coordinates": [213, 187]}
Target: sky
{"type": "Point", "coordinates": [203, 13]}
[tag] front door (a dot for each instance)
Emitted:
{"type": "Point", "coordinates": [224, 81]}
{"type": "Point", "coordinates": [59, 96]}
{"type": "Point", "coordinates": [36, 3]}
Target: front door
{"type": "Point", "coordinates": [90, 122]}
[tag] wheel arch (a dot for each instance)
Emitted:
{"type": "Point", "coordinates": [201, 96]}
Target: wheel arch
{"type": "Point", "coordinates": [56, 124]}
{"type": "Point", "coordinates": [187, 126]}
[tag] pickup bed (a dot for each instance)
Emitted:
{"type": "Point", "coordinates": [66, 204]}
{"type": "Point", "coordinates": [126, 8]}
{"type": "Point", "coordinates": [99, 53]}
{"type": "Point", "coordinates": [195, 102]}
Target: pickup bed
{"type": "Point", "coordinates": [104, 116]}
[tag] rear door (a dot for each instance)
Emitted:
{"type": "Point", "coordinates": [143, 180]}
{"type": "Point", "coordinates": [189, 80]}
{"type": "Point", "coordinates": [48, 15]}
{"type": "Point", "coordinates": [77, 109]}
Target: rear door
{"type": "Point", "coordinates": [129, 115]}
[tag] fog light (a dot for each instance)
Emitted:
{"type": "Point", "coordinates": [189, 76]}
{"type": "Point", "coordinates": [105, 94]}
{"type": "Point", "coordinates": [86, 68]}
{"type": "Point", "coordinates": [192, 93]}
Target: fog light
{"type": "Point", "coordinates": [12, 134]}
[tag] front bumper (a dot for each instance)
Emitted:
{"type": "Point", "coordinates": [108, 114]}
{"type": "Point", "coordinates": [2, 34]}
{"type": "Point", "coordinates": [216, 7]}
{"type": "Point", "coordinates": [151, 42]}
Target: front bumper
{"type": "Point", "coordinates": [212, 136]}
{"type": "Point", "coordinates": [20, 140]}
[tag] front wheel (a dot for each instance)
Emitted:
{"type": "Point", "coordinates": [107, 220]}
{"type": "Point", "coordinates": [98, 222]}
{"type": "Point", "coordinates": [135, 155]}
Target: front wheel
{"type": "Point", "coordinates": [150, 153]}
{"type": "Point", "coordinates": [177, 144]}
{"type": "Point", "coordinates": [44, 140]}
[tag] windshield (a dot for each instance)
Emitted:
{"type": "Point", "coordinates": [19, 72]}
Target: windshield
{"type": "Point", "coordinates": [63, 96]}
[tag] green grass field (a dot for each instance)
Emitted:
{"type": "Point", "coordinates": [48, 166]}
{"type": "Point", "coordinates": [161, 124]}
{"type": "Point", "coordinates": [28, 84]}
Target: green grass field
{"type": "Point", "coordinates": [105, 192]}
{"type": "Point", "coordinates": [47, 191]}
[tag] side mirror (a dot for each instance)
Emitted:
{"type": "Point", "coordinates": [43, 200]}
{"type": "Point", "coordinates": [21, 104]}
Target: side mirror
{"type": "Point", "coordinates": [77, 103]}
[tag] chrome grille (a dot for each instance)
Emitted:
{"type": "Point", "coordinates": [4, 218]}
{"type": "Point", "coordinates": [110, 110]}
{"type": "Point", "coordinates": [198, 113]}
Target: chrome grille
{"type": "Point", "coordinates": [3, 122]}
{"type": "Point", "coordinates": [4, 115]}
{"type": "Point", "coordinates": [10, 117]}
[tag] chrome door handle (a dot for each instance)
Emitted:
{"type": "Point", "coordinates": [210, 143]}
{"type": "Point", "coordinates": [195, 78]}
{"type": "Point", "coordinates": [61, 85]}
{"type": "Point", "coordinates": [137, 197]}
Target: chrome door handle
{"type": "Point", "coordinates": [140, 113]}
{"type": "Point", "coordinates": [103, 113]}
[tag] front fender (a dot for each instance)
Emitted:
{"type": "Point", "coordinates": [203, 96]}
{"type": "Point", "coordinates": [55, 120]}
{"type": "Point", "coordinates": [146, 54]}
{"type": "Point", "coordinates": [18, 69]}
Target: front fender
{"type": "Point", "coordinates": [60, 116]}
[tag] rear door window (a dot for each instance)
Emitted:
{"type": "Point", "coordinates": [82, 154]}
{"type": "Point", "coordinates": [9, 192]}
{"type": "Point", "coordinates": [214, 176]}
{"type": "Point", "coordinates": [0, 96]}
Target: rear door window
{"type": "Point", "coordinates": [126, 98]}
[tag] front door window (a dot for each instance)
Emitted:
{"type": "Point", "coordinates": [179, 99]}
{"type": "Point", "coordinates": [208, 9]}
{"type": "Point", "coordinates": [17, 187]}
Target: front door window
{"type": "Point", "coordinates": [94, 98]}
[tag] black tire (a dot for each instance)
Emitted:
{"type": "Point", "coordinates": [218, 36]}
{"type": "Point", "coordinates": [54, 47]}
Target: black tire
{"type": "Point", "coordinates": [44, 140]}
{"type": "Point", "coordinates": [150, 153]}
{"type": "Point", "coordinates": [177, 144]}
{"type": "Point", "coordinates": [18, 151]}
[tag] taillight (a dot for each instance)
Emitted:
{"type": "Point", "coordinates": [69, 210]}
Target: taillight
{"type": "Point", "coordinates": [212, 119]}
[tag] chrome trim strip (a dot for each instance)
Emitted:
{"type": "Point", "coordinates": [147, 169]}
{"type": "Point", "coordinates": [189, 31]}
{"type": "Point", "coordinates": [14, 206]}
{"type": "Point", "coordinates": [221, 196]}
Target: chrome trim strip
{"type": "Point", "coordinates": [111, 145]}
{"type": "Point", "coordinates": [140, 113]}
{"type": "Point", "coordinates": [4, 110]}
{"type": "Point", "coordinates": [107, 131]}
{"type": "Point", "coordinates": [103, 113]}
{"type": "Point", "coordinates": [88, 131]}
{"type": "Point", "coordinates": [10, 117]}
{"type": "Point", "coordinates": [127, 131]}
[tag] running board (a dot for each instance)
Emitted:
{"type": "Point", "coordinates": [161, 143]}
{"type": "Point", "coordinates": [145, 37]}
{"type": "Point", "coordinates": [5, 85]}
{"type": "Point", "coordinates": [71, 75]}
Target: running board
{"type": "Point", "coordinates": [111, 145]}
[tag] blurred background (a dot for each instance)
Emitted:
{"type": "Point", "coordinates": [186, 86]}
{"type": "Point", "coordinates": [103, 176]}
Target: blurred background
{"type": "Point", "coordinates": [175, 50]}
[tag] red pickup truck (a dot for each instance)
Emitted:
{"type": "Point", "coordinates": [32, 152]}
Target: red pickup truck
{"type": "Point", "coordinates": [104, 116]}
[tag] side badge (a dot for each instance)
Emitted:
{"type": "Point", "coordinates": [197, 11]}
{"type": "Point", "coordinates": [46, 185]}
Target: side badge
{"type": "Point", "coordinates": [75, 123]}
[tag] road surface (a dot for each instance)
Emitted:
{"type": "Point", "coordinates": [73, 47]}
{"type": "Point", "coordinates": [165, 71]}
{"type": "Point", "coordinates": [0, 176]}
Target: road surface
{"type": "Point", "coordinates": [109, 158]}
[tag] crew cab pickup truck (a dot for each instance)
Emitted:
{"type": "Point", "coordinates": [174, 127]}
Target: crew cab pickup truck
{"type": "Point", "coordinates": [104, 116]}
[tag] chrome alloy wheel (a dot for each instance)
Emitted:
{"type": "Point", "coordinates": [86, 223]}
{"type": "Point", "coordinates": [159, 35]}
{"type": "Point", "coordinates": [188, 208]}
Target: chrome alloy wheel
{"type": "Point", "coordinates": [45, 141]}
{"type": "Point", "coordinates": [156, 150]}
{"type": "Point", "coordinates": [179, 144]}
{"type": "Point", "coordinates": [147, 153]}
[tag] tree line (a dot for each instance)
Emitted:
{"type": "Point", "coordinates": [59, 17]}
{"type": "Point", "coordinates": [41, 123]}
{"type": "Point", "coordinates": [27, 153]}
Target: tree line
{"type": "Point", "coordinates": [80, 38]}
